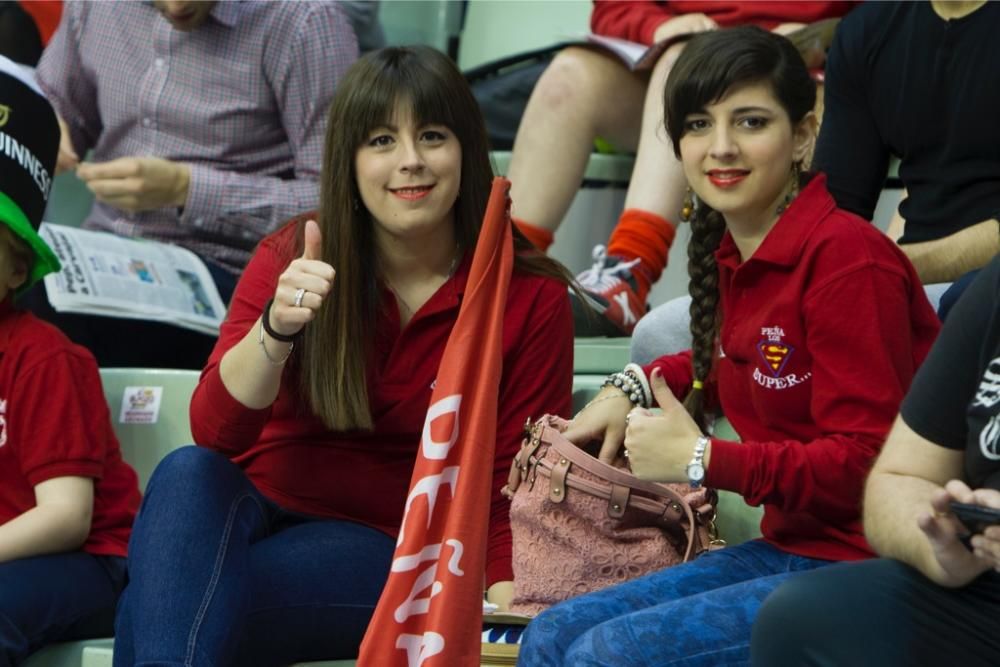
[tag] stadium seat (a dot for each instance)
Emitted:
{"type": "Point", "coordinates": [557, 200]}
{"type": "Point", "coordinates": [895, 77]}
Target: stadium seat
{"type": "Point", "coordinates": [435, 23]}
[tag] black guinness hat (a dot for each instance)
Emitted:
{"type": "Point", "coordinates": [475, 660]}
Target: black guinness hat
{"type": "Point", "coordinates": [29, 145]}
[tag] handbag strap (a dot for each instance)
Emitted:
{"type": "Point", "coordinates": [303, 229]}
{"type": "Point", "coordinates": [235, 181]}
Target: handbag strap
{"type": "Point", "coordinates": [697, 533]}
{"type": "Point", "coordinates": [592, 465]}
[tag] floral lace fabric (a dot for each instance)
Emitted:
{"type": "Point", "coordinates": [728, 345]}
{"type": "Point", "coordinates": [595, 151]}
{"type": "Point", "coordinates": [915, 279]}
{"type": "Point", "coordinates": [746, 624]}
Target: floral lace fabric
{"type": "Point", "coordinates": [564, 549]}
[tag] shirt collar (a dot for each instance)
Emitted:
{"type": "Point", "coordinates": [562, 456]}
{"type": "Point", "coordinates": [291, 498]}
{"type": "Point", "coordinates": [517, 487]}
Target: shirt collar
{"type": "Point", "coordinates": [225, 12]}
{"type": "Point", "coordinates": [228, 13]}
{"type": "Point", "coordinates": [450, 294]}
{"type": "Point", "coordinates": [783, 244]}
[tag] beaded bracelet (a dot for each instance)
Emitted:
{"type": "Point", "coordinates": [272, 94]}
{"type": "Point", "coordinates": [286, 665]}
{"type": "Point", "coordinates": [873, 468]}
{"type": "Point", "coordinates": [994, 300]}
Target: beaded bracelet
{"type": "Point", "coordinates": [629, 383]}
{"type": "Point", "coordinates": [266, 321]}
{"type": "Point", "coordinates": [635, 371]}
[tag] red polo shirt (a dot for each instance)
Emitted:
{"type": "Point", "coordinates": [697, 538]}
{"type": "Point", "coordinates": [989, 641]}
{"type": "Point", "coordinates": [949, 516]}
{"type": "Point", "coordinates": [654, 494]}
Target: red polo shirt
{"type": "Point", "coordinates": [823, 329]}
{"type": "Point", "coordinates": [54, 422]}
{"type": "Point", "coordinates": [302, 466]}
{"type": "Point", "coordinates": [637, 20]}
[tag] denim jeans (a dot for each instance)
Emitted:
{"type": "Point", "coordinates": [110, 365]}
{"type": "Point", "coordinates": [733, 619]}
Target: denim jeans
{"type": "Point", "coordinates": [698, 613]}
{"type": "Point", "coordinates": [953, 293]}
{"type": "Point", "coordinates": [220, 575]}
{"type": "Point", "coordinates": [59, 597]}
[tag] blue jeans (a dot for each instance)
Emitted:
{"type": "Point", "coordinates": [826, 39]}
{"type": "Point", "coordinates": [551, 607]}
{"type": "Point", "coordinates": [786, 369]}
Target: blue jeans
{"type": "Point", "coordinates": [59, 597]}
{"type": "Point", "coordinates": [952, 294]}
{"type": "Point", "coordinates": [699, 613]}
{"type": "Point", "coordinates": [220, 575]}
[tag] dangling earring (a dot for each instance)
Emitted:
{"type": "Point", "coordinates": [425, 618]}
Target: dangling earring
{"type": "Point", "coordinates": [689, 205]}
{"type": "Point", "coordinates": [793, 191]}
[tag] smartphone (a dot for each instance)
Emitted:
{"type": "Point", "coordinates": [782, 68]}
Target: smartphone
{"type": "Point", "coordinates": [975, 518]}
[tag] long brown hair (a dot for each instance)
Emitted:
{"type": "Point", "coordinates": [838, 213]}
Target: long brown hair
{"type": "Point", "coordinates": [711, 65]}
{"type": "Point", "coordinates": [338, 345]}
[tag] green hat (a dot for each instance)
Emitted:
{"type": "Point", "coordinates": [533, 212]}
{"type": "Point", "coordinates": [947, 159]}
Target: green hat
{"type": "Point", "coordinates": [29, 145]}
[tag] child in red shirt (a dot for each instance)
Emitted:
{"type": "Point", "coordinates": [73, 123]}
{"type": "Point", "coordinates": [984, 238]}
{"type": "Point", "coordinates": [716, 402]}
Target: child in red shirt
{"type": "Point", "coordinates": [808, 326]}
{"type": "Point", "coordinates": [67, 499]}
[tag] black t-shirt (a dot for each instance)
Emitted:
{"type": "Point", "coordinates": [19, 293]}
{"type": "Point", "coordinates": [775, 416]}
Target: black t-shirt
{"type": "Point", "coordinates": [901, 80]}
{"type": "Point", "coordinates": [954, 400]}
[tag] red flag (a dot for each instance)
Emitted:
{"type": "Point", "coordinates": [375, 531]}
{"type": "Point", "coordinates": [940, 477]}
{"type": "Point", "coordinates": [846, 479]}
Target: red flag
{"type": "Point", "coordinates": [430, 612]}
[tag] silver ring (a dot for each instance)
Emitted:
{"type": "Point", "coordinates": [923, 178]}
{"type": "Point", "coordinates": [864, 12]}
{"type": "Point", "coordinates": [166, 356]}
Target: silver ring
{"type": "Point", "coordinates": [299, 293]}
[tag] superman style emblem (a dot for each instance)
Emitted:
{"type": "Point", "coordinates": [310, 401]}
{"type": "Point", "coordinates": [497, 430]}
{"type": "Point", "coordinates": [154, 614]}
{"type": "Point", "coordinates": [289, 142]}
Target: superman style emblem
{"type": "Point", "coordinates": [775, 355]}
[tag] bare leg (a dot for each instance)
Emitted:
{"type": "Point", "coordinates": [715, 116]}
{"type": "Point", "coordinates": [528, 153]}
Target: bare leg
{"type": "Point", "coordinates": [657, 183]}
{"type": "Point", "coordinates": [582, 95]}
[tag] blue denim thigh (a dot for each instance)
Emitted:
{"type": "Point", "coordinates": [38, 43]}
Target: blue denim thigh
{"type": "Point", "coordinates": [314, 587]}
{"type": "Point", "coordinates": [273, 587]}
{"type": "Point", "coordinates": [188, 562]}
{"type": "Point", "coordinates": [953, 293]}
{"type": "Point", "coordinates": [699, 613]}
{"type": "Point", "coordinates": [57, 597]}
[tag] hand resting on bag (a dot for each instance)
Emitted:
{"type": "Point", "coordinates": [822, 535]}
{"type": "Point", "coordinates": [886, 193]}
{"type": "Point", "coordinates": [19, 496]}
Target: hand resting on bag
{"type": "Point", "coordinates": [601, 420]}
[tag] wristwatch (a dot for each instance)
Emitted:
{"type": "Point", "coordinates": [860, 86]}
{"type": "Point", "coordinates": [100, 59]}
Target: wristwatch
{"type": "Point", "coordinates": [696, 468]}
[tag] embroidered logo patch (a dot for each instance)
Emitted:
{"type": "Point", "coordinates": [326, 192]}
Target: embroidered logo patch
{"type": "Point", "coordinates": [773, 350]}
{"type": "Point", "coordinates": [775, 353]}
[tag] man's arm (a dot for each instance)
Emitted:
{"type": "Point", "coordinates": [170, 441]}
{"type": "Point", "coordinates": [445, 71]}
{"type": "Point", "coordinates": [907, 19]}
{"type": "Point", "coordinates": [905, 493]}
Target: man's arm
{"type": "Point", "coordinates": [947, 259]}
{"type": "Point", "coordinates": [905, 508]}
{"type": "Point", "coordinates": [68, 87]}
{"type": "Point", "coordinates": [850, 149]}
{"type": "Point", "coordinates": [303, 77]}
{"type": "Point", "coordinates": [906, 503]}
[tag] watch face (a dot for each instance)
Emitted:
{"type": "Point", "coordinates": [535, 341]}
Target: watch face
{"type": "Point", "coordinates": [695, 472]}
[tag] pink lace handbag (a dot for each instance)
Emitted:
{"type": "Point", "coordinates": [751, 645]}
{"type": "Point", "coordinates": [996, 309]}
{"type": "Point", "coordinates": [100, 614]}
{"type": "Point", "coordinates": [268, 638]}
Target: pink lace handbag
{"type": "Point", "coordinates": [580, 525]}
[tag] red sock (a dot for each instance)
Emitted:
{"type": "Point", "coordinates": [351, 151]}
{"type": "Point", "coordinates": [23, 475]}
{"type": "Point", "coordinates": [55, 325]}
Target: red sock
{"type": "Point", "coordinates": [540, 237]}
{"type": "Point", "coordinates": [647, 236]}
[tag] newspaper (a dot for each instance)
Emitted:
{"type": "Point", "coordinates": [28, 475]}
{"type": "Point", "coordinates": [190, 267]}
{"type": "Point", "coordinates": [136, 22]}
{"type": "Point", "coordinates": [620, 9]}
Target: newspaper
{"type": "Point", "coordinates": [104, 274]}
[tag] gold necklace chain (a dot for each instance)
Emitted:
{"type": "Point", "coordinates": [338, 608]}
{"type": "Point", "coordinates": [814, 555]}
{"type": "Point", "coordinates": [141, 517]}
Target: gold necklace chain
{"type": "Point", "coordinates": [409, 308]}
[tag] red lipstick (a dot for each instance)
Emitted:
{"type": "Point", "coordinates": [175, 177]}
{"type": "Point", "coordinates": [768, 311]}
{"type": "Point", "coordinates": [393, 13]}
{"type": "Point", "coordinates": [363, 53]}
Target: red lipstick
{"type": "Point", "coordinates": [413, 193]}
{"type": "Point", "coordinates": [726, 178]}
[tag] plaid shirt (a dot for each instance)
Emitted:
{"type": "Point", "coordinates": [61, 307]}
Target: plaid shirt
{"type": "Point", "coordinates": [242, 99]}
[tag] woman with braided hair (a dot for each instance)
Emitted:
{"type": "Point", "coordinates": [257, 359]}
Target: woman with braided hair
{"type": "Point", "coordinates": [808, 326]}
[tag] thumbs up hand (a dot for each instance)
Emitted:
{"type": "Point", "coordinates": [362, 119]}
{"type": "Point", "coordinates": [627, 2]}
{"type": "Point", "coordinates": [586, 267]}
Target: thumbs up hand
{"type": "Point", "coordinates": [303, 286]}
{"type": "Point", "coordinates": [660, 446]}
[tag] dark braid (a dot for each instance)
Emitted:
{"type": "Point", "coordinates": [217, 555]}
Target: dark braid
{"type": "Point", "coordinates": [707, 228]}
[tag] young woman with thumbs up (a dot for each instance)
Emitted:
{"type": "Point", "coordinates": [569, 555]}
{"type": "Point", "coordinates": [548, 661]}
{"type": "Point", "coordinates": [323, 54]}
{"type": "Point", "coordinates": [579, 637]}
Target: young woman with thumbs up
{"type": "Point", "coordinates": [808, 326]}
{"type": "Point", "coordinates": [270, 542]}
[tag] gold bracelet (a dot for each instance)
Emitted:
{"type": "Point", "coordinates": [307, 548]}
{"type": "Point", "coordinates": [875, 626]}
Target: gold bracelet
{"type": "Point", "coordinates": [606, 398]}
{"type": "Point", "coordinates": [267, 355]}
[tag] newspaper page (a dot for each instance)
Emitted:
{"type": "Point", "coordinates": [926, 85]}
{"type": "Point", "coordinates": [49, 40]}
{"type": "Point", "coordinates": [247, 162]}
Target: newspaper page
{"type": "Point", "coordinates": [104, 274]}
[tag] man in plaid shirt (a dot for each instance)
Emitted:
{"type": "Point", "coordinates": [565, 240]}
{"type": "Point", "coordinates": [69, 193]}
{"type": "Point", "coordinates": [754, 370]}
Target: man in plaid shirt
{"type": "Point", "coordinates": [206, 122]}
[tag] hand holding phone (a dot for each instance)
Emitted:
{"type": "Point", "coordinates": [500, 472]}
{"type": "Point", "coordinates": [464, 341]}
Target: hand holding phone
{"type": "Point", "coordinates": [975, 518]}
